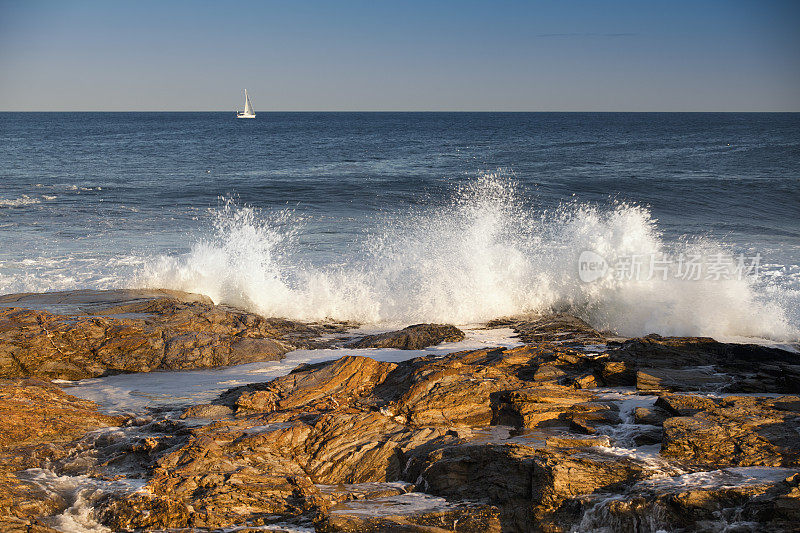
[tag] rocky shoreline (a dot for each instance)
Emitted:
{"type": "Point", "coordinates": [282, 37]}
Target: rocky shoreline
{"type": "Point", "coordinates": [574, 430]}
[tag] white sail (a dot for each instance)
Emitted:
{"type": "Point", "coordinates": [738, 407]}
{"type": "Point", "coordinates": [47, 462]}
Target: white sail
{"type": "Point", "coordinates": [248, 107]}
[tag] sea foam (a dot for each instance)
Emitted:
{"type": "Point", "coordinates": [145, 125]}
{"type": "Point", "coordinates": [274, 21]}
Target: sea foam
{"type": "Point", "coordinates": [487, 253]}
{"type": "Point", "coordinates": [19, 202]}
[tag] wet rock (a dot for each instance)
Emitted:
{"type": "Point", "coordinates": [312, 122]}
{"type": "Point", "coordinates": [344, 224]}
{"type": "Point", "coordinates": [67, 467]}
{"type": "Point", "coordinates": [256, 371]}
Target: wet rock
{"type": "Point", "coordinates": [578, 442]}
{"type": "Point", "coordinates": [480, 440]}
{"type": "Point", "coordinates": [588, 418]}
{"type": "Point", "coordinates": [34, 411]}
{"type": "Point", "coordinates": [720, 500]}
{"type": "Point", "coordinates": [701, 363]}
{"type": "Point", "coordinates": [684, 404]}
{"type": "Point", "coordinates": [342, 492]}
{"type": "Point", "coordinates": [586, 381]}
{"type": "Point", "coordinates": [107, 332]}
{"type": "Point", "coordinates": [349, 421]}
{"type": "Point", "coordinates": [220, 476]}
{"type": "Point", "coordinates": [654, 416]}
{"type": "Point", "coordinates": [356, 447]}
{"type": "Point", "coordinates": [446, 393]}
{"type": "Point", "coordinates": [737, 431]}
{"type": "Point", "coordinates": [557, 329]}
{"type": "Point", "coordinates": [38, 426]}
{"type": "Point", "coordinates": [535, 406]}
{"type": "Point", "coordinates": [416, 337]}
{"type": "Point", "coordinates": [207, 410]}
{"type": "Point", "coordinates": [410, 513]}
{"type": "Point", "coordinates": [548, 373]}
{"type": "Point", "coordinates": [617, 373]}
{"type": "Point", "coordinates": [318, 387]}
{"type": "Point", "coordinates": [671, 379]}
{"type": "Point", "coordinates": [524, 482]}
{"type": "Point", "coordinates": [15, 525]}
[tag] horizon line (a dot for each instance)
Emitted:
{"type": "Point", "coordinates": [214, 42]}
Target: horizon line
{"type": "Point", "coordinates": [389, 111]}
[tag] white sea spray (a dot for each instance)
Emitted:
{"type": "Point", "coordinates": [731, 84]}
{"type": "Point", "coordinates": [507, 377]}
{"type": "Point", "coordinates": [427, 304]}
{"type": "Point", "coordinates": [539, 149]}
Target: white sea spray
{"type": "Point", "coordinates": [487, 253]}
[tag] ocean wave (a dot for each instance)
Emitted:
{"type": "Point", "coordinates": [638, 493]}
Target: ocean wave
{"type": "Point", "coordinates": [19, 202]}
{"type": "Point", "coordinates": [486, 254]}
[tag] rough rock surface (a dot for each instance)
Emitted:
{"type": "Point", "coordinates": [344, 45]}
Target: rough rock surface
{"type": "Point", "coordinates": [557, 329]}
{"type": "Point", "coordinates": [737, 431]}
{"type": "Point", "coordinates": [107, 332]}
{"type": "Point", "coordinates": [525, 439]}
{"type": "Point", "coordinates": [656, 363]}
{"type": "Point", "coordinates": [38, 424]}
{"type": "Point", "coordinates": [414, 337]}
{"type": "Point", "coordinates": [480, 428]}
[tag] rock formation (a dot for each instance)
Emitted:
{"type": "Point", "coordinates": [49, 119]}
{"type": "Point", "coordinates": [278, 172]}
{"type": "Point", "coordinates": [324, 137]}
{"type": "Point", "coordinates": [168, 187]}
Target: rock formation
{"type": "Point", "coordinates": [108, 332]}
{"type": "Point", "coordinates": [414, 337]}
{"type": "Point", "coordinates": [577, 430]}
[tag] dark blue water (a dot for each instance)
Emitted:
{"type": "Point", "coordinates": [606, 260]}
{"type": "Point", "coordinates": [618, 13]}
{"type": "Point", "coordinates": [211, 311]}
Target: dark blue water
{"type": "Point", "coordinates": [87, 198]}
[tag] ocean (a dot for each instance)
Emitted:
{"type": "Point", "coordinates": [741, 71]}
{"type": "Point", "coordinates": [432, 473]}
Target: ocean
{"type": "Point", "coordinates": [669, 223]}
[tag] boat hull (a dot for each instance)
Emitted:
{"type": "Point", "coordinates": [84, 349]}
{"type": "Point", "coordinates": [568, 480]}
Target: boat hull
{"type": "Point", "coordinates": [239, 115]}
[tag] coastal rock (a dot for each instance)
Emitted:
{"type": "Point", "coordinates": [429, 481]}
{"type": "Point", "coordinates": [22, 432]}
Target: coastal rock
{"type": "Point", "coordinates": [110, 332]}
{"type": "Point", "coordinates": [737, 431]}
{"type": "Point", "coordinates": [534, 406]}
{"type": "Point", "coordinates": [718, 500]}
{"type": "Point", "coordinates": [617, 373]}
{"type": "Point", "coordinates": [684, 404]}
{"type": "Point", "coordinates": [34, 411]}
{"type": "Point", "coordinates": [493, 439]}
{"type": "Point", "coordinates": [207, 410]}
{"type": "Point", "coordinates": [672, 379]}
{"type": "Point", "coordinates": [701, 364]}
{"type": "Point", "coordinates": [343, 492]}
{"type": "Point", "coordinates": [355, 420]}
{"type": "Point", "coordinates": [416, 337]}
{"type": "Point", "coordinates": [557, 329]}
{"type": "Point", "coordinates": [14, 525]}
{"type": "Point", "coordinates": [410, 513]}
{"type": "Point", "coordinates": [445, 392]}
{"type": "Point", "coordinates": [38, 426]}
{"type": "Point", "coordinates": [318, 387]}
{"type": "Point", "coordinates": [524, 482]}
{"type": "Point", "coordinates": [649, 416]}
{"type": "Point", "coordinates": [349, 421]}
{"type": "Point", "coordinates": [219, 476]}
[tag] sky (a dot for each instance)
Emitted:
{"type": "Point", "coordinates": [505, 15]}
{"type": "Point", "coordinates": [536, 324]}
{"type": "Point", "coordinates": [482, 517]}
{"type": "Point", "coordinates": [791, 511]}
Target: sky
{"type": "Point", "coordinates": [560, 55]}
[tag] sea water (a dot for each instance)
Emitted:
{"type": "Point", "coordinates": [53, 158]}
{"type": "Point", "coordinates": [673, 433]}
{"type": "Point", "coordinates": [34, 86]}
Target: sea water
{"type": "Point", "coordinates": [398, 218]}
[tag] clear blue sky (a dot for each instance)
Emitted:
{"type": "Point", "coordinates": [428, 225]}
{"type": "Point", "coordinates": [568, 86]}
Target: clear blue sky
{"type": "Point", "coordinates": [530, 56]}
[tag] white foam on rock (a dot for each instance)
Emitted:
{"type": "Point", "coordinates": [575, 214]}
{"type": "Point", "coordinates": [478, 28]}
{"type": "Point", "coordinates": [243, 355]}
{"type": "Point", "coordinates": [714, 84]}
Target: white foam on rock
{"type": "Point", "coordinates": [81, 493]}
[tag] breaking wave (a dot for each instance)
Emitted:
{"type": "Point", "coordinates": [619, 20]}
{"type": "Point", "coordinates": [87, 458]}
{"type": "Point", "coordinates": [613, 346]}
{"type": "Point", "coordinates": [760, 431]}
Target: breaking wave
{"type": "Point", "coordinates": [19, 202]}
{"type": "Point", "coordinates": [488, 253]}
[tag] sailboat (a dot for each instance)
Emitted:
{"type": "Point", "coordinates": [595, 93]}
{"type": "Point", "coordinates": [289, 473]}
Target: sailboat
{"type": "Point", "coordinates": [248, 108]}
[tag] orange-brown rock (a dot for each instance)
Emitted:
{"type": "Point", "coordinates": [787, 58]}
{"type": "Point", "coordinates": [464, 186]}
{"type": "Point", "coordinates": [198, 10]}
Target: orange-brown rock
{"type": "Point", "coordinates": [107, 332]}
{"type": "Point", "coordinates": [737, 431]}
{"type": "Point", "coordinates": [38, 424]}
{"type": "Point", "coordinates": [556, 329]}
{"type": "Point", "coordinates": [410, 513]}
{"type": "Point", "coordinates": [414, 337]}
{"type": "Point", "coordinates": [352, 421]}
{"type": "Point", "coordinates": [514, 440]}
{"type": "Point", "coordinates": [654, 364]}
